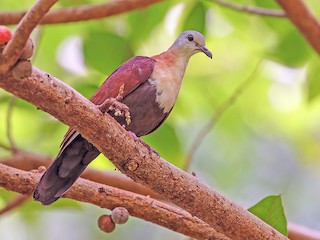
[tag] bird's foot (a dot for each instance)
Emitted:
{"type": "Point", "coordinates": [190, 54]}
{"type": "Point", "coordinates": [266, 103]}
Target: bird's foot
{"type": "Point", "coordinates": [121, 110]}
{"type": "Point", "coordinates": [113, 104]}
{"type": "Point", "coordinates": [150, 150]}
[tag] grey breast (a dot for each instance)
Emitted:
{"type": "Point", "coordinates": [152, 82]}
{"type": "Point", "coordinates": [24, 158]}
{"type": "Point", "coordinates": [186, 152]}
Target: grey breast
{"type": "Point", "coordinates": [146, 115]}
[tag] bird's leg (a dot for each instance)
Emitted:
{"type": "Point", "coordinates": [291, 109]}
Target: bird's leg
{"type": "Point", "coordinates": [136, 138]}
{"type": "Point", "coordinates": [113, 104]}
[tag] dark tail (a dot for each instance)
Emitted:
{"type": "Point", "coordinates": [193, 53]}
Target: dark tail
{"type": "Point", "coordinates": [65, 170]}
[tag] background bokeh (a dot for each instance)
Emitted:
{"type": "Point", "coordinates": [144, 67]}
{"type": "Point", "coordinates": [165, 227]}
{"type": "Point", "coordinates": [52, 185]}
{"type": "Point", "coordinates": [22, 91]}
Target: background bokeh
{"type": "Point", "coordinates": [266, 143]}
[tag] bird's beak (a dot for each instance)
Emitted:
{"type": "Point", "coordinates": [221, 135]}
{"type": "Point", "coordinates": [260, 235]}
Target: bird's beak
{"type": "Point", "coordinates": [206, 51]}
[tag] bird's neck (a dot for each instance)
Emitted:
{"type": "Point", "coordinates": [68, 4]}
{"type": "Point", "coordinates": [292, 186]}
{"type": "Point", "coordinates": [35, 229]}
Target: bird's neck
{"type": "Point", "coordinates": [173, 60]}
{"type": "Point", "coordinates": [167, 76]}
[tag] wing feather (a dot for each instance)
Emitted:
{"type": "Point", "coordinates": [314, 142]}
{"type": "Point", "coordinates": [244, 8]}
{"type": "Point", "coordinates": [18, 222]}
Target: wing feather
{"type": "Point", "coordinates": [131, 74]}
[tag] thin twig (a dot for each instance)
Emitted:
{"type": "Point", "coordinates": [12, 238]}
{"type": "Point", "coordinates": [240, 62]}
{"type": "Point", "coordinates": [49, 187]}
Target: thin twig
{"type": "Point", "coordinates": [108, 197]}
{"type": "Point", "coordinates": [14, 203]}
{"type": "Point", "coordinates": [29, 21]}
{"type": "Point", "coordinates": [304, 20]}
{"type": "Point", "coordinates": [82, 13]}
{"type": "Point", "coordinates": [12, 143]}
{"type": "Point", "coordinates": [250, 9]}
{"type": "Point", "coordinates": [204, 131]}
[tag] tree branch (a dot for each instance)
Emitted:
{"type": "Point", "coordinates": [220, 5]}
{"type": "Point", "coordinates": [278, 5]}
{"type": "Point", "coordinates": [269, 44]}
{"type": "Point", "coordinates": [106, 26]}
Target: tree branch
{"type": "Point", "coordinates": [29, 161]}
{"type": "Point", "coordinates": [81, 13]}
{"type": "Point", "coordinates": [134, 159]}
{"type": "Point", "coordinates": [249, 9]}
{"type": "Point", "coordinates": [298, 232]}
{"type": "Point", "coordinates": [303, 19]}
{"type": "Point", "coordinates": [108, 197]}
{"type": "Point", "coordinates": [30, 20]}
{"type": "Point", "coordinates": [14, 203]}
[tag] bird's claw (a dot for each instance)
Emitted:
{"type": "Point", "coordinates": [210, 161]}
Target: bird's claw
{"type": "Point", "coordinates": [113, 104]}
{"type": "Point", "coordinates": [120, 110]}
{"type": "Point", "coordinates": [150, 150]}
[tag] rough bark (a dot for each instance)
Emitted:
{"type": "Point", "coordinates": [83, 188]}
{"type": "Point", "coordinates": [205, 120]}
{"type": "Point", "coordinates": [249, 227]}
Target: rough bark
{"type": "Point", "coordinates": [29, 161]}
{"type": "Point", "coordinates": [135, 160]}
{"type": "Point", "coordinates": [108, 197]}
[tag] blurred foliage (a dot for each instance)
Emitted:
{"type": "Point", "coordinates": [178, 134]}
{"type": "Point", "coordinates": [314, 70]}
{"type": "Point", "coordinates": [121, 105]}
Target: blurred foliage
{"type": "Point", "coordinates": [196, 18]}
{"type": "Point", "coordinates": [100, 41]}
{"type": "Point", "coordinates": [271, 211]}
{"type": "Point", "coordinates": [267, 143]}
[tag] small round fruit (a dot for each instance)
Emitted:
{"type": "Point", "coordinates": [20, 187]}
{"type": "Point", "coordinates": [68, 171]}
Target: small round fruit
{"type": "Point", "coordinates": [28, 50]}
{"type": "Point", "coordinates": [106, 224]}
{"type": "Point", "coordinates": [119, 215]}
{"type": "Point", "coordinates": [22, 69]}
{"type": "Point", "coordinates": [5, 35]}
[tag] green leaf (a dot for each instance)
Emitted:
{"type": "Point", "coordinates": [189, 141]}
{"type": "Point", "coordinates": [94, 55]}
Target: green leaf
{"type": "Point", "coordinates": [313, 80]}
{"type": "Point", "coordinates": [105, 51]}
{"type": "Point", "coordinates": [292, 50]}
{"type": "Point", "coordinates": [151, 17]}
{"type": "Point", "coordinates": [271, 211]}
{"type": "Point", "coordinates": [196, 19]}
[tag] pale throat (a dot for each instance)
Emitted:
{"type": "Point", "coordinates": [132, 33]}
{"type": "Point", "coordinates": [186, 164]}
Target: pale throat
{"type": "Point", "coordinates": [167, 76]}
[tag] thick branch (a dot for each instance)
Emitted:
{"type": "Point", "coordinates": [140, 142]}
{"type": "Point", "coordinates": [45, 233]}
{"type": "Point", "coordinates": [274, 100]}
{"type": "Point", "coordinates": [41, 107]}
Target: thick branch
{"type": "Point", "coordinates": [134, 159]}
{"type": "Point", "coordinates": [251, 10]}
{"type": "Point", "coordinates": [303, 19]}
{"type": "Point", "coordinates": [298, 232]}
{"type": "Point", "coordinates": [108, 197]}
{"type": "Point", "coordinates": [29, 161]}
{"type": "Point", "coordinates": [82, 13]}
{"type": "Point", "coordinates": [31, 19]}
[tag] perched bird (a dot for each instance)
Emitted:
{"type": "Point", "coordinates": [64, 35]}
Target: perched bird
{"type": "Point", "coordinates": [139, 94]}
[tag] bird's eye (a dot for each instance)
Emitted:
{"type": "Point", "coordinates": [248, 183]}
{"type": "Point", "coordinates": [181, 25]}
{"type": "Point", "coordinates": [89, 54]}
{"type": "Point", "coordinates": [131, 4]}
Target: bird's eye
{"type": "Point", "coordinates": [190, 38]}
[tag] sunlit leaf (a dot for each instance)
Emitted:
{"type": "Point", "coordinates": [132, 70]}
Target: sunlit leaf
{"type": "Point", "coordinates": [271, 211]}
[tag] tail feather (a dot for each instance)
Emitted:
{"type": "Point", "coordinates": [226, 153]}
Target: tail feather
{"type": "Point", "coordinates": [65, 170]}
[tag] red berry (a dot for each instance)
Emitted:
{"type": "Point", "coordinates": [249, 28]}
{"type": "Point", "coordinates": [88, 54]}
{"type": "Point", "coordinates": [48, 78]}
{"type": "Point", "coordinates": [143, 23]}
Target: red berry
{"type": "Point", "coordinates": [105, 223]}
{"type": "Point", "coordinates": [5, 35]}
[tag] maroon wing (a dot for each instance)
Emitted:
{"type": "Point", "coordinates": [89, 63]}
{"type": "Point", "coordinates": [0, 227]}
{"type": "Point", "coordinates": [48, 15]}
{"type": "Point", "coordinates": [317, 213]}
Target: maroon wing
{"type": "Point", "coordinates": [130, 74]}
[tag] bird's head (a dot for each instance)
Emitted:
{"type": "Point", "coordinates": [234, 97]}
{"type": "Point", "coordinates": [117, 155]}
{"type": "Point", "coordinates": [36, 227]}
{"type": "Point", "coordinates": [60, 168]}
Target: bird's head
{"type": "Point", "coordinates": [191, 42]}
